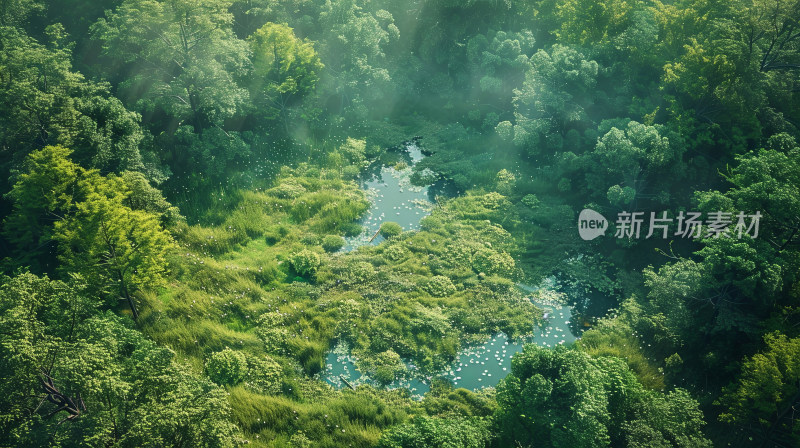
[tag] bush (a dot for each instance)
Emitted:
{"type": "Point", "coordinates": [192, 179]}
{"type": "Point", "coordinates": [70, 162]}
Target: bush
{"type": "Point", "coordinates": [354, 151]}
{"type": "Point", "coordinates": [531, 200]}
{"type": "Point", "coordinates": [430, 223]}
{"type": "Point", "coordinates": [439, 286]}
{"type": "Point", "coordinates": [264, 375]}
{"type": "Point", "coordinates": [351, 172]}
{"type": "Point", "coordinates": [491, 262]}
{"type": "Point", "coordinates": [390, 229]}
{"type": "Point", "coordinates": [351, 229]}
{"type": "Point", "coordinates": [311, 240]}
{"type": "Point", "coordinates": [288, 189]}
{"type": "Point", "coordinates": [332, 243]}
{"type": "Point", "coordinates": [441, 432]}
{"type": "Point", "coordinates": [227, 367]}
{"type": "Point", "coordinates": [385, 366]}
{"type": "Point", "coordinates": [299, 440]}
{"type": "Point", "coordinates": [305, 262]}
{"type": "Point", "coordinates": [505, 182]}
{"type": "Point", "coordinates": [395, 252]}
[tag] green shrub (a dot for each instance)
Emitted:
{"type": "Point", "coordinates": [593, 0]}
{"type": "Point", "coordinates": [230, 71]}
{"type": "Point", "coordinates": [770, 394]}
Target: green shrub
{"type": "Point", "coordinates": [491, 262]}
{"type": "Point", "coordinates": [351, 229]}
{"type": "Point", "coordinates": [227, 367]}
{"type": "Point", "coordinates": [440, 432]}
{"type": "Point", "coordinates": [439, 286]}
{"type": "Point", "coordinates": [350, 172]}
{"type": "Point", "coordinates": [386, 366]}
{"type": "Point", "coordinates": [373, 151]}
{"type": "Point", "coordinates": [430, 223]}
{"type": "Point", "coordinates": [531, 200]}
{"type": "Point", "coordinates": [354, 151]}
{"type": "Point", "coordinates": [390, 229]}
{"type": "Point", "coordinates": [264, 375]}
{"type": "Point", "coordinates": [395, 252]}
{"type": "Point", "coordinates": [305, 262]}
{"type": "Point", "coordinates": [311, 239]}
{"type": "Point", "coordinates": [299, 440]}
{"type": "Point", "coordinates": [288, 189]}
{"type": "Point", "coordinates": [332, 243]}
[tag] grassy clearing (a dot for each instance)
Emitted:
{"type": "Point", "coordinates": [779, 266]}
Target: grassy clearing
{"type": "Point", "coordinates": [253, 276]}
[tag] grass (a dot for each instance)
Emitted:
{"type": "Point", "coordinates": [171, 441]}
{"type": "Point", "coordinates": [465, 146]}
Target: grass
{"type": "Point", "coordinates": [233, 286]}
{"type": "Point", "coordinates": [612, 337]}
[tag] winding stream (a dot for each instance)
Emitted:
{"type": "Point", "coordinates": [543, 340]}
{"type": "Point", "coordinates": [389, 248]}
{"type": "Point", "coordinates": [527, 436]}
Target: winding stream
{"type": "Point", "coordinates": [395, 199]}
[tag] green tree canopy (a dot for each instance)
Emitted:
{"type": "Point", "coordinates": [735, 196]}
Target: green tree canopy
{"type": "Point", "coordinates": [553, 100]}
{"type": "Point", "coordinates": [135, 393]}
{"type": "Point", "coordinates": [183, 56]}
{"type": "Point", "coordinates": [564, 398]}
{"type": "Point", "coordinates": [45, 103]}
{"type": "Point", "coordinates": [285, 69]}
{"type": "Point", "coordinates": [90, 217]}
{"type": "Point", "coordinates": [767, 390]}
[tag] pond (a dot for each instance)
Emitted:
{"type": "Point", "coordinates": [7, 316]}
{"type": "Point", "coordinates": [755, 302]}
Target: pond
{"type": "Point", "coordinates": [475, 367]}
{"type": "Point", "coordinates": [392, 195]}
{"type": "Point", "coordinates": [394, 198]}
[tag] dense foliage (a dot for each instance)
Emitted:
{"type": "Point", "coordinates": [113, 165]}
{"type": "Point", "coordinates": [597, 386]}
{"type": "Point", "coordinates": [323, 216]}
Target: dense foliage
{"type": "Point", "coordinates": [181, 203]}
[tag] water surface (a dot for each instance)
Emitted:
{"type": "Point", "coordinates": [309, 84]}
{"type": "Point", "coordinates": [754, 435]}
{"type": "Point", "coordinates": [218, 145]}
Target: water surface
{"type": "Point", "coordinates": [393, 198]}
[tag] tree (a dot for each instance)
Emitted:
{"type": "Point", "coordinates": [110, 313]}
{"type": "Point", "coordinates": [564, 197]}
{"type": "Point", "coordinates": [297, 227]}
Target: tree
{"type": "Point", "coordinates": [37, 314]}
{"type": "Point", "coordinates": [15, 12]}
{"type": "Point", "coordinates": [144, 196]}
{"type": "Point", "coordinates": [355, 42]}
{"type": "Point", "coordinates": [285, 70]}
{"type": "Point", "coordinates": [564, 398]}
{"type": "Point", "coordinates": [456, 432]}
{"type": "Point", "coordinates": [712, 96]}
{"type": "Point", "coordinates": [627, 159]}
{"type": "Point", "coordinates": [771, 31]}
{"type": "Point", "coordinates": [707, 310]}
{"type": "Point", "coordinates": [109, 243]}
{"type": "Point", "coordinates": [553, 100]}
{"type": "Point", "coordinates": [46, 103]}
{"type": "Point", "coordinates": [43, 194]}
{"type": "Point", "coordinates": [184, 57]}
{"type": "Point", "coordinates": [135, 393]}
{"type": "Point", "coordinates": [592, 22]}
{"type": "Point", "coordinates": [499, 60]}
{"type": "Point", "coordinates": [767, 392]}
{"type": "Point", "coordinates": [768, 181]}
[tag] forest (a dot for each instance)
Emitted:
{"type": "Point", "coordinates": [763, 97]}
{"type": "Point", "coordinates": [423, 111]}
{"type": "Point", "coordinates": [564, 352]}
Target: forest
{"type": "Point", "coordinates": [400, 224]}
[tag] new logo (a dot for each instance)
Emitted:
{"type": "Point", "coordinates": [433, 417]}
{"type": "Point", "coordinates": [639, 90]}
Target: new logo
{"type": "Point", "coordinates": [591, 224]}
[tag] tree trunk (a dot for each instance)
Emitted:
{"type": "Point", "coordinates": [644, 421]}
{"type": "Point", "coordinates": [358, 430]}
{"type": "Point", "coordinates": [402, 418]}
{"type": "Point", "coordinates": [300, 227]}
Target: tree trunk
{"type": "Point", "coordinates": [128, 297]}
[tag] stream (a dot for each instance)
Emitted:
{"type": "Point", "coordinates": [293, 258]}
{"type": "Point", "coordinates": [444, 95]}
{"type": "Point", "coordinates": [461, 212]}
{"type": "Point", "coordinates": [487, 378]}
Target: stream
{"type": "Point", "coordinates": [394, 198]}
